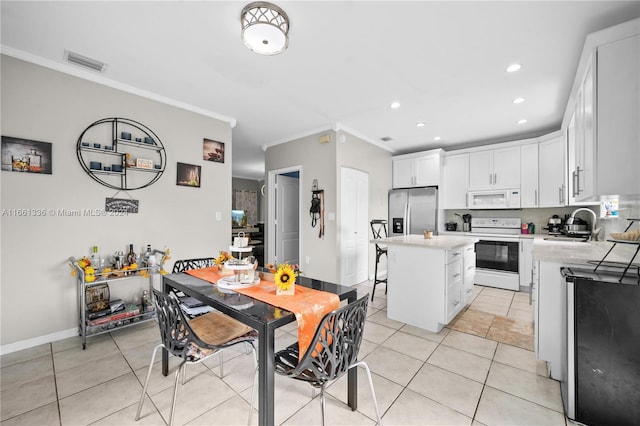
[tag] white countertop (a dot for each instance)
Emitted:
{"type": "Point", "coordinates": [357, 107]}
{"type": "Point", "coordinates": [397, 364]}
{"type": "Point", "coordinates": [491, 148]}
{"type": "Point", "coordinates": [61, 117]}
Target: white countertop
{"type": "Point", "coordinates": [579, 253]}
{"type": "Point", "coordinates": [443, 242]}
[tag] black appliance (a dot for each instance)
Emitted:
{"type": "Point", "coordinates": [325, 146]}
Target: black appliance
{"type": "Point", "coordinates": [601, 378]}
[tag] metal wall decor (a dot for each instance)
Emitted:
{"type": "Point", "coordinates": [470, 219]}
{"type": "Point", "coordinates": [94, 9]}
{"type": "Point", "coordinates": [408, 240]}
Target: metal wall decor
{"type": "Point", "coordinates": [121, 153]}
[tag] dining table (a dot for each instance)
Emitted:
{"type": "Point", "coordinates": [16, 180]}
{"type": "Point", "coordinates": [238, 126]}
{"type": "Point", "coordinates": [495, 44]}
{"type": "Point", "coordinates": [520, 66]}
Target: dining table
{"type": "Point", "coordinates": [265, 319]}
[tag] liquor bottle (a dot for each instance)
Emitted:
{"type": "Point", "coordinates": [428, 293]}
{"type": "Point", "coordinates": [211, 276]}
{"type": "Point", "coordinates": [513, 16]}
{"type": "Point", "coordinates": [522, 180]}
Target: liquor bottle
{"type": "Point", "coordinates": [95, 259]}
{"type": "Point", "coordinates": [35, 161]}
{"type": "Point", "coordinates": [131, 256]}
{"type": "Point", "coordinates": [144, 302]}
{"type": "Point", "coordinates": [149, 259]}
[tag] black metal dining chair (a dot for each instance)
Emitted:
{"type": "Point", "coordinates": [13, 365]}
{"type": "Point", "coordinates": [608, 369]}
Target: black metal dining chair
{"type": "Point", "coordinates": [332, 352]}
{"type": "Point", "coordinates": [193, 340]}
{"type": "Point", "coordinates": [379, 230]}
{"type": "Point", "coordinates": [186, 264]}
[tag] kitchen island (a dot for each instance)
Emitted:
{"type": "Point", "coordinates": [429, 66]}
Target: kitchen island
{"type": "Point", "coordinates": [429, 281]}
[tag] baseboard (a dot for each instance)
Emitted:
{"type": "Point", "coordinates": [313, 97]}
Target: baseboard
{"type": "Point", "coordinates": [37, 341]}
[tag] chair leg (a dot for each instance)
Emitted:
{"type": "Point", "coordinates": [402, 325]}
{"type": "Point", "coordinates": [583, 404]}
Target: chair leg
{"type": "Point", "coordinates": [221, 362]}
{"type": "Point", "coordinates": [373, 392]}
{"type": "Point", "coordinates": [375, 276]}
{"type": "Point", "coordinates": [146, 381]}
{"type": "Point", "coordinates": [322, 403]}
{"type": "Point", "coordinates": [175, 393]}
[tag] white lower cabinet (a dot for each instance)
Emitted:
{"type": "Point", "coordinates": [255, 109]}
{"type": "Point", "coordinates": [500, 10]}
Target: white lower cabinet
{"type": "Point", "coordinates": [469, 273]}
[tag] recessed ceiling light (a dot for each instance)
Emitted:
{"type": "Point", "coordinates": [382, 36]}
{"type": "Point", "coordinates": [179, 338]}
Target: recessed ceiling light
{"type": "Point", "coordinates": [437, 138]}
{"type": "Point", "coordinates": [513, 67]}
{"type": "Point", "coordinates": [395, 105]}
{"type": "Point", "coordinates": [522, 121]}
{"type": "Point", "coordinates": [518, 100]}
{"type": "Point", "coordinates": [421, 124]}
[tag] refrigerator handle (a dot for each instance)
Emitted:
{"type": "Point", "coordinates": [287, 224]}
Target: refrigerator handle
{"type": "Point", "coordinates": [407, 218]}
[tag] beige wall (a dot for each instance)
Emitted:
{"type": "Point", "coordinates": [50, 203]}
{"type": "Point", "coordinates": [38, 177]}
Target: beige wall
{"type": "Point", "coordinates": [38, 294]}
{"type": "Point", "coordinates": [322, 161]}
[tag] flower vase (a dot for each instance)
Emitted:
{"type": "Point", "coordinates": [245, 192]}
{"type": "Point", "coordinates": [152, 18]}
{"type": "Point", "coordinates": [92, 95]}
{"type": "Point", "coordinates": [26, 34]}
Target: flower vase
{"type": "Point", "coordinates": [289, 292]}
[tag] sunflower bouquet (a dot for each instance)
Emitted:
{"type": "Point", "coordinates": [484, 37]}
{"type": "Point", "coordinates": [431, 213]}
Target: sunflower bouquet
{"type": "Point", "coordinates": [285, 278]}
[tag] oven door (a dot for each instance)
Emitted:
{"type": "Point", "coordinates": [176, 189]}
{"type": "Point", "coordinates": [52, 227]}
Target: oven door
{"type": "Point", "coordinates": [498, 255]}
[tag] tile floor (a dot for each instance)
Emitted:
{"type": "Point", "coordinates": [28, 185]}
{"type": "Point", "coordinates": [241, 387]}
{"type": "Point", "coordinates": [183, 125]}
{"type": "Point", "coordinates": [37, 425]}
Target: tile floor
{"type": "Point", "coordinates": [478, 371]}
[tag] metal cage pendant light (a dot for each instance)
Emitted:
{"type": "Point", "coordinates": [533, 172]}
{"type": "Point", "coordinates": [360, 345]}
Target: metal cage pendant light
{"type": "Point", "coordinates": [265, 28]}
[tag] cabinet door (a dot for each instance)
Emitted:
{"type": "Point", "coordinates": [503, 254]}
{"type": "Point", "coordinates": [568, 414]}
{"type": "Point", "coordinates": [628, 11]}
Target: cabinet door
{"type": "Point", "coordinates": [481, 170]}
{"type": "Point", "coordinates": [551, 189]}
{"type": "Point", "coordinates": [403, 173]}
{"type": "Point", "coordinates": [455, 181]}
{"type": "Point", "coordinates": [529, 175]}
{"type": "Point", "coordinates": [506, 168]}
{"type": "Point", "coordinates": [427, 170]}
{"type": "Point", "coordinates": [526, 262]}
{"type": "Point", "coordinates": [586, 144]}
{"type": "Point", "coordinates": [618, 131]}
{"type": "Point", "coordinates": [469, 273]}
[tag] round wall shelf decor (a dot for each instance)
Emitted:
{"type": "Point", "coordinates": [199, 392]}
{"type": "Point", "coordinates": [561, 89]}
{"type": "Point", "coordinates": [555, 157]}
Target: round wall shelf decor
{"type": "Point", "coordinates": [120, 153]}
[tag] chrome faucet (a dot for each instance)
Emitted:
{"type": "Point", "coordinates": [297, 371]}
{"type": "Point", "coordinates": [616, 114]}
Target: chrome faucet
{"type": "Point", "coordinates": [593, 224]}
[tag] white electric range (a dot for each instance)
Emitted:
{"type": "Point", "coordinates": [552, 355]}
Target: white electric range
{"type": "Point", "coordinates": [497, 252]}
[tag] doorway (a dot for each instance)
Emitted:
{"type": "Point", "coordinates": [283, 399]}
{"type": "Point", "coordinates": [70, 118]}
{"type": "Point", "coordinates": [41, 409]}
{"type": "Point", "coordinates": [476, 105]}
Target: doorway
{"type": "Point", "coordinates": [354, 219]}
{"type": "Point", "coordinates": [284, 216]}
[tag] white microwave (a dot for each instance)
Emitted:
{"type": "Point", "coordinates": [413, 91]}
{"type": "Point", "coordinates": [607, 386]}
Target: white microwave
{"type": "Point", "coordinates": [494, 199]}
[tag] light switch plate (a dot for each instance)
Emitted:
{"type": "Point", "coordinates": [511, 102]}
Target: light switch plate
{"type": "Point", "coordinates": [218, 216]}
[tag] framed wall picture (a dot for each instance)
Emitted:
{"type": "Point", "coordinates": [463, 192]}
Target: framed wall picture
{"type": "Point", "coordinates": [213, 151]}
{"type": "Point", "coordinates": [188, 175]}
{"type": "Point", "coordinates": [26, 156]}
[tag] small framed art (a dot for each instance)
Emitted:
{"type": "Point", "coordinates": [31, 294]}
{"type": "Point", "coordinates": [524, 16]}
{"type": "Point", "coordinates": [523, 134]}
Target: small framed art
{"type": "Point", "coordinates": [213, 151]}
{"type": "Point", "coordinates": [188, 175]}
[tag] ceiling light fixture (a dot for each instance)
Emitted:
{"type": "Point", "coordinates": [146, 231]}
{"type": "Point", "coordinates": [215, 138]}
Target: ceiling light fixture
{"type": "Point", "coordinates": [420, 124]}
{"type": "Point", "coordinates": [513, 67]}
{"type": "Point", "coordinates": [437, 138]}
{"type": "Point", "coordinates": [395, 105]}
{"type": "Point", "coordinates": [518, 100]}
{"type": "Point", "coordinates": [265, 28]}
{"type": "Point", "coordinates": [522, 121]}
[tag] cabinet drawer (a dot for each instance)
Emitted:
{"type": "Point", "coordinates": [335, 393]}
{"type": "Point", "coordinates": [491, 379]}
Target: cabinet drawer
{"type": "Point", "coordinates": [454, 272]}
{"type": "Point", "coordinates": [454, 301]}
{"type": "Point", "coordinates": [453, 255]}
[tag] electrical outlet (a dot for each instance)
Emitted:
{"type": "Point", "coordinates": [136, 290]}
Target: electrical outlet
{"type": "Point", "coordinates": [307, 260]}
{"type": "Point", "coordinates": [218, 216]}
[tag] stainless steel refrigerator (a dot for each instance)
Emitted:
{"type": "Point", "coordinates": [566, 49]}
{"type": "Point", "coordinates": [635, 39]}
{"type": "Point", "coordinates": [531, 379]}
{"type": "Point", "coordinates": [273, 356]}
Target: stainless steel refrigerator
{"type": "Point", "coordinates": [413, 210]}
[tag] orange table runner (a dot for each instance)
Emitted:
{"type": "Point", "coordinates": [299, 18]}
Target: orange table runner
{"type": "Point", "coordinates": [308, 305]}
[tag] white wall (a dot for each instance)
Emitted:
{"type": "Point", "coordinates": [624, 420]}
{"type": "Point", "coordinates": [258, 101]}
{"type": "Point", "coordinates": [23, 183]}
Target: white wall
{"type": "Point", "coordinates": [322, 161]}
{"type": "Point", "coordinates": [38, 294]}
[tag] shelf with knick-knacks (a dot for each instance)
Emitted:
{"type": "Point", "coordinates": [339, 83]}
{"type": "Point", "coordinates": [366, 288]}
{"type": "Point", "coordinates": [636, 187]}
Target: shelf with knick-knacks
{"type": "Point", "coordinates": [121, 153]}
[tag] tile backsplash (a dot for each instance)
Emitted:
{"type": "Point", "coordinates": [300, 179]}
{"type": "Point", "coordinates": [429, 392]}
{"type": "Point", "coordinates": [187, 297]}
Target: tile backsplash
{"type": "Point", "coordinates": [540, 217]}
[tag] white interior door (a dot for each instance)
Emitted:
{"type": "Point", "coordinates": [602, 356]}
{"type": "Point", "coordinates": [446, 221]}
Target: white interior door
{"type": "Point", "coordinates": [287, 220]}
{"type": "Point", "coordinates": [354, 189]}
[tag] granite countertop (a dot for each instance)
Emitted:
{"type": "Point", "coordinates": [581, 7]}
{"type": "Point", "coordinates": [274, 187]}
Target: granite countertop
{"type": "Point", "coordinates": [579, 253]}
{"type": "Point", "coordinates": [443, 242]}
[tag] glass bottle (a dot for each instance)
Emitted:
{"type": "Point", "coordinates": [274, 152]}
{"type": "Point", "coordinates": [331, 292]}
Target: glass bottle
{"type": "Point", "coordinates": [35, 161]}
{"type": "Point", "coordinates": [95, 259]}
{"type": "Point", "coordinates": [131, 256]}
{"type": "Point", "coordinates": [148, 258]}
{"type": "Point", "coordinates": [144, 302]}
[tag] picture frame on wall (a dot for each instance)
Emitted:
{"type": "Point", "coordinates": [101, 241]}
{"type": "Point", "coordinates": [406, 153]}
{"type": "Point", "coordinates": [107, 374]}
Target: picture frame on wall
{"type": "Point", "coordinates": [26, 156]}
{"type": "Point", "coordinates": [213, 151]}
{"type": "Point", "coordinates": [188, 175]}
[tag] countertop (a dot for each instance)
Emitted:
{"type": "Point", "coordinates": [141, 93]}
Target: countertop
{"type": "Point", "coordinates": [443, 242]}
{"type": "Point", "coordinates": [579, 253]}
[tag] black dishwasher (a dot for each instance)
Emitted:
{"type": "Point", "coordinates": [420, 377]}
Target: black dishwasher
{"type": "Point", "coordinates": [601, 383]}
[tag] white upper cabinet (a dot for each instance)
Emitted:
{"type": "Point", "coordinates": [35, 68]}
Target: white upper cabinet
{"type": "Point", "coordinates": [455, 183]}
{"type": "Point", "coordinates": [495, 169]}
{"type": "Point", "coordinates": [420, 169]}
{"type": "Point", "coordinates": [551, 173]}
{"type": "Point", "coordinates": [601, 121]}
{"type": "Point", "coordinates": [529, 190]}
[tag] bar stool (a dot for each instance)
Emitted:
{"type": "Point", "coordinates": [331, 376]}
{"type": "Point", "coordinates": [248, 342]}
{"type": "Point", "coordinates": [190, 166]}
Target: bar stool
{"type": "Point", "coordinates": [379, 230]}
